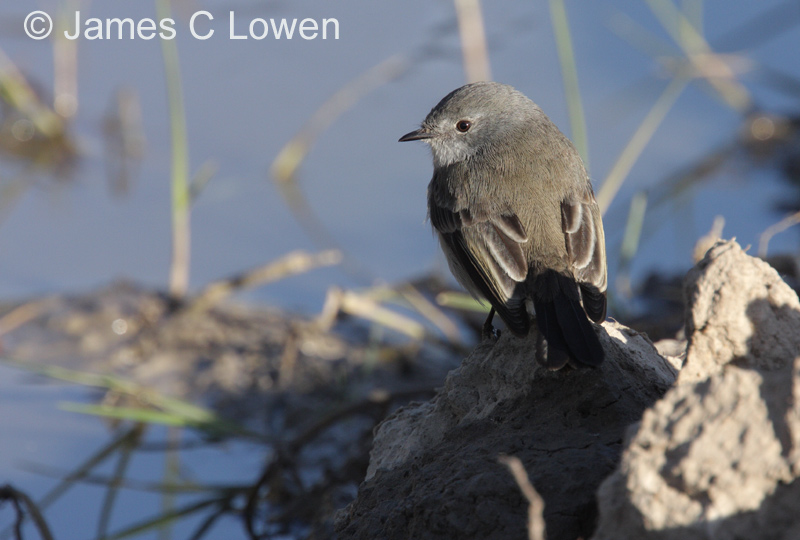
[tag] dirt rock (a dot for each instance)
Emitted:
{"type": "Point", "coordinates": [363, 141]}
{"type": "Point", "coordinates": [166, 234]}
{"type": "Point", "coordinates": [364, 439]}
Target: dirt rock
{"type": "Point", "coordinates": [713, 455]}
{"type": "Point", "coordinates": [434, 471]}
{"type": "Point", "coordinates": [738, 309]}
{"type": "Point", "coordinates": [712, 460]}
{"type": "Point", "coordinates": [718, 457]}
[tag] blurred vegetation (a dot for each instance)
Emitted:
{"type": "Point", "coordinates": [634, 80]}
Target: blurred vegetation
{"type": "Point", "coordinates": [392, 343]}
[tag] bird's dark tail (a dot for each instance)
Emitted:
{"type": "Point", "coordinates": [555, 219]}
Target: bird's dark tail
{"type": "Point", "coordinates": [563, 323]}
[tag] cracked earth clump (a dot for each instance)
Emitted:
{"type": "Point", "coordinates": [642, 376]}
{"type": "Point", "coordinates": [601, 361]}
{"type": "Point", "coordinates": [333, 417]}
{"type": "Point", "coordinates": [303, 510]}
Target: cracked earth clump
{"type": "Point", "coordinates": [434, 471]}
{"type": "Point", "coordinates": [712, 454]}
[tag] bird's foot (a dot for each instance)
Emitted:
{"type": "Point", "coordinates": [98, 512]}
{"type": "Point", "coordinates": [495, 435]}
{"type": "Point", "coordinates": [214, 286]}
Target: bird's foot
{"type": "Point", "coordinates": [490, 332]}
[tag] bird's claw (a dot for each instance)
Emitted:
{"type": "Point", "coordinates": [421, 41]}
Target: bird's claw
{"type": "Point", "coordinates": [490, 332]}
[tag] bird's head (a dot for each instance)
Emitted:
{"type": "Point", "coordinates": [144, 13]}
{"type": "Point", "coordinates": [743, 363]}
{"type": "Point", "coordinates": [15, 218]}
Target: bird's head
{"type": "Point", "coordinates": [476, 117]}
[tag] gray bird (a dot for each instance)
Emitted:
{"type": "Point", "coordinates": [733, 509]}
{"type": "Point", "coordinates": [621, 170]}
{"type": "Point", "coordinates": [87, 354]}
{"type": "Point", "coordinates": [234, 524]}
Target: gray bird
{"type": "Point", "coordinates": [517, 219]}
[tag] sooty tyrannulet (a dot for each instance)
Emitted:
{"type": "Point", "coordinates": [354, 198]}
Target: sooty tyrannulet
{"type": "Point", "coordinates": [517, 219]}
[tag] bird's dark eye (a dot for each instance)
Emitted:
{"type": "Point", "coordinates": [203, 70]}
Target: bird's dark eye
{"type": "Point", "coordinates": [463, 125]}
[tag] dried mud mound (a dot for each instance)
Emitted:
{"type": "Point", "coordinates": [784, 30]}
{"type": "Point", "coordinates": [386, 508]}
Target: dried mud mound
{"type": "Point", "coordinates": [713, 454]}
{"type": "Point", "coordinates": [434, 471]}
{"type": "Point", "coordinates": [719, 456]}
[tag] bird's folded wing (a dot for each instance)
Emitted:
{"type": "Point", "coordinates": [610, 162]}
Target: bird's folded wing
{"type": "Point", "coordinates": [489, 250]}
{"type": "Point", "coordinates": [586, 249]}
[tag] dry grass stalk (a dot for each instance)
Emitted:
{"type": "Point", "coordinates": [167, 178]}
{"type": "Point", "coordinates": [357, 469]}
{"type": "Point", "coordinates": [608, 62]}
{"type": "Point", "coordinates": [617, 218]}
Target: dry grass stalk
{"type": "Point", "coordinates": [473, 40]}
{"type": "Point", "coordinates": [536, 528]}
{"type": "Point", "coordinates": [296, 262]}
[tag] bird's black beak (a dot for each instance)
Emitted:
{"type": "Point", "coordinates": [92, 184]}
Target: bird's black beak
{"type": "Point", "coordinates": [418, 135]}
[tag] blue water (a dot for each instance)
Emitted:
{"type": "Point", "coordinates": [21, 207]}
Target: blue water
{"type": "Point", "coordinates": [245, 99]}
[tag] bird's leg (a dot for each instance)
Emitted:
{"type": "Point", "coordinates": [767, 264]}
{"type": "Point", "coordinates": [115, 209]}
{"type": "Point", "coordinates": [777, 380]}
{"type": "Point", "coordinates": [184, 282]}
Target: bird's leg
{"type": "Point", "coordinates": [488, 329]}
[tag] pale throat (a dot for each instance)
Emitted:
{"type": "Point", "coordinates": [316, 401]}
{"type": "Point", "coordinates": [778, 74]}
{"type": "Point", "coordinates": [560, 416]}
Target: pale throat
{"type": "Point", "coordinates": [445, 154]}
